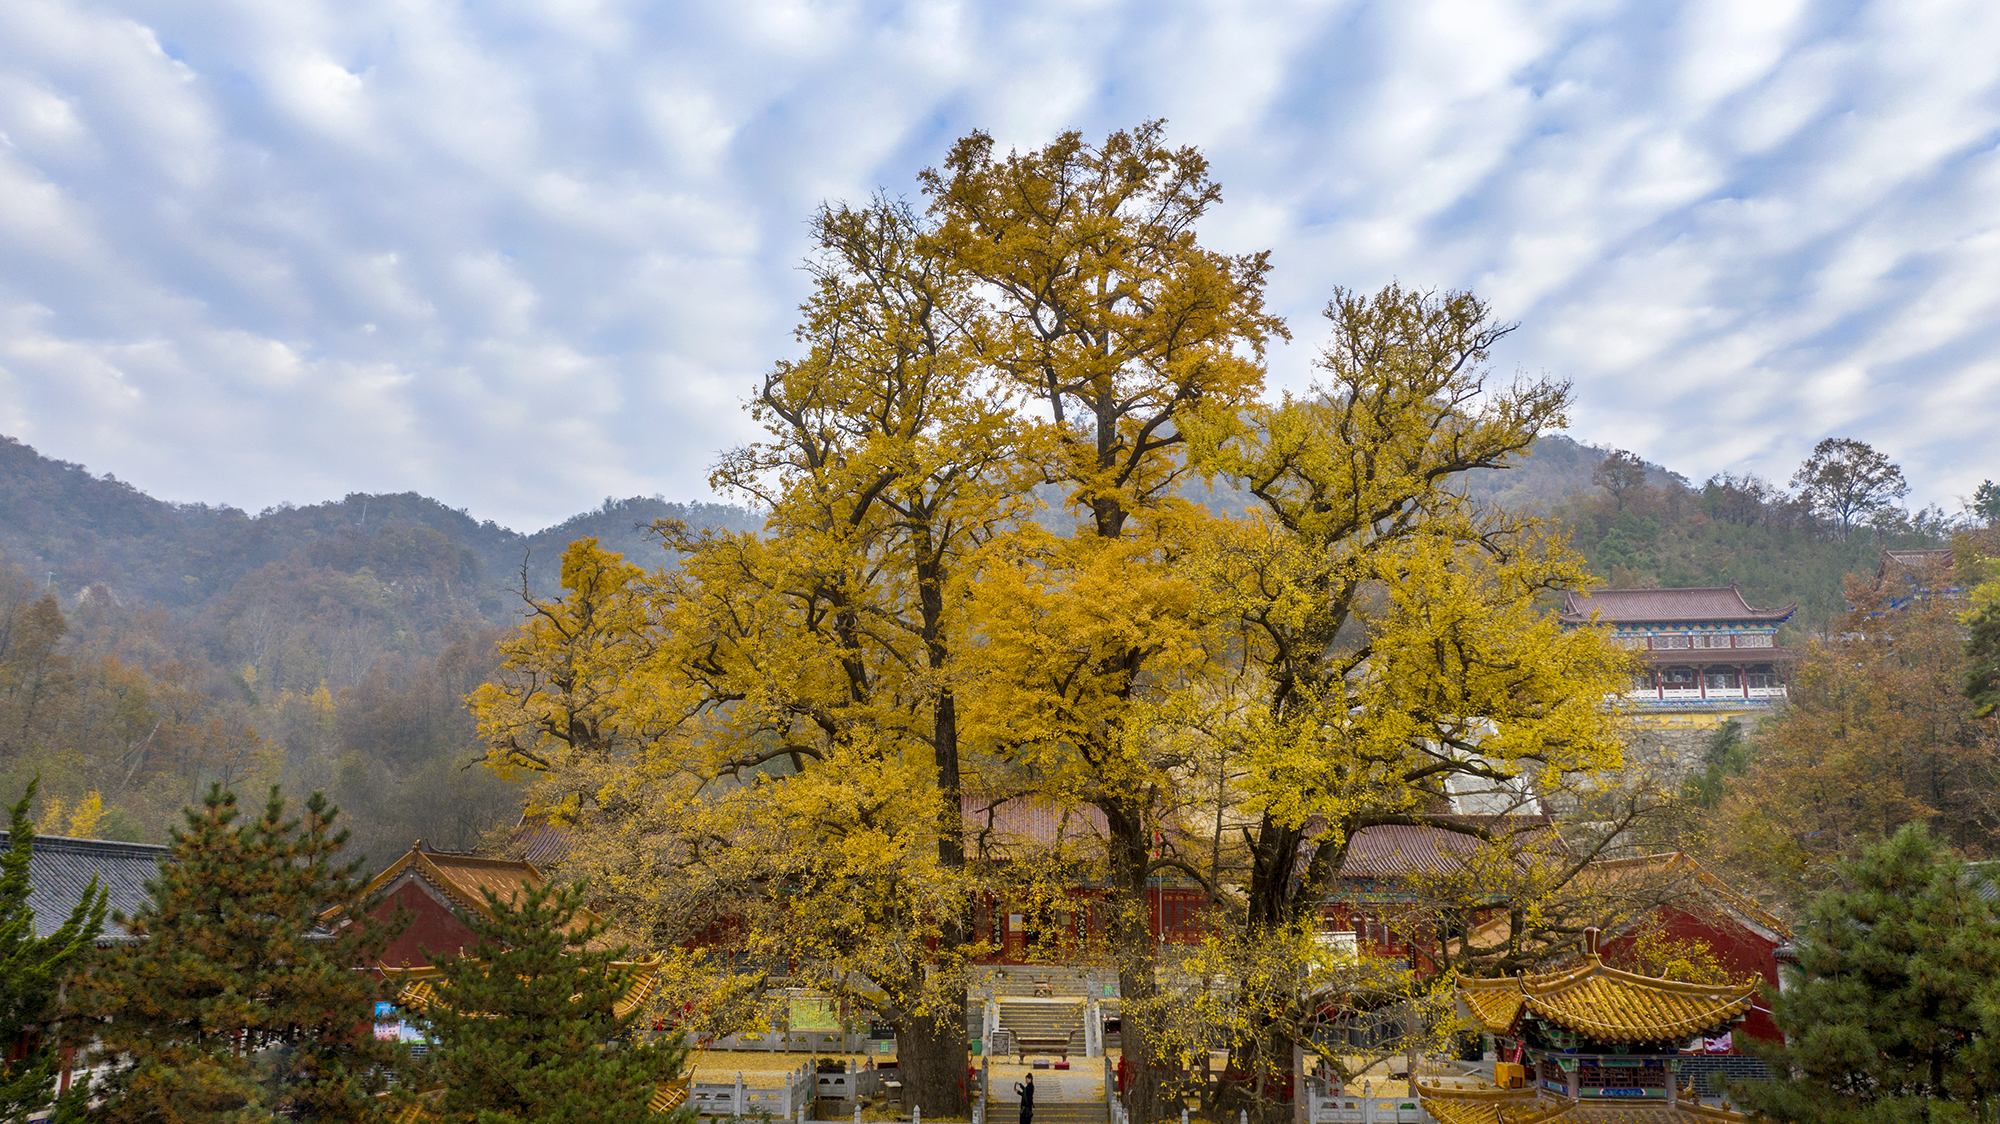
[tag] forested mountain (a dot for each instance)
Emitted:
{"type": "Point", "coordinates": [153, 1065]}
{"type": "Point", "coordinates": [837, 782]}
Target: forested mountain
{"type": "Point", "coordinates": [147, 648]}
{"type": "Point", "coordinates": [1777, 547]}
{"type": "Point", "coordinates": [74, 530]}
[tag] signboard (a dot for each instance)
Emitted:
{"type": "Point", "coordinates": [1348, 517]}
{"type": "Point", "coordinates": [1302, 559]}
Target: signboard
{"type": "Point", "coordinates": [816, 1014]}
{"type": "Point", "coordinates": [880, 1031]}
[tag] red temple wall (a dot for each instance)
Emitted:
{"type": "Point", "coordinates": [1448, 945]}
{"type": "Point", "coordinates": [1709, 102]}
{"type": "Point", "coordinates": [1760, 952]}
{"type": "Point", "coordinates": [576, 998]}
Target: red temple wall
{"type": "Point", "coordinates": [432, 926]}
{"type": "Point", "coordinates": [1739, 950]}
{"type": "Point", "coordinates": [1174, 916]}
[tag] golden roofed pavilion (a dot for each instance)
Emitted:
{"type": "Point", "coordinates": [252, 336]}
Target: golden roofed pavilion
{"type": "Point", "coordinates": [1588, 1045]}
{"type": "Point", "coordinates": [1603, 1004]}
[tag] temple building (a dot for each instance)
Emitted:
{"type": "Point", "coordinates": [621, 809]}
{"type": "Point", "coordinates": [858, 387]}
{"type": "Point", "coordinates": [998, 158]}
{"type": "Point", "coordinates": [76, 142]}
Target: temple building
{"type": "Point", "coordinates": [1588, 1045]}
{"type": "Point", "coordinates": [1704, 648]}
{"type": "Point", "coordinates": [440, 889]}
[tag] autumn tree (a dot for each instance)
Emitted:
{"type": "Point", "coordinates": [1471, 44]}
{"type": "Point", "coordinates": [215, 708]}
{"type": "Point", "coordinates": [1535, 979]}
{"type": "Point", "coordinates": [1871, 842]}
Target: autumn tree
{"type": "Point", "coordinates": [1121, 325]}
{"type": "Point", "coordinates": [1398, 635]}
{"type": "Point", "coordinates": [1621, 474]}
{"type": "Point", "coordinates": [561, 698]}
{"type": "Point", "coordinates": [239, 998]}
{"type": "Point", "coordinates": [1982, 621]}
{"type": "Point", "coordinates": [1846, 480]}
{"type": "Point", "coordinates": [1877, 734]}
{"type": "Point", "coordinates": [789, 769]}
{"type": "Point", "coordinates": [34, 672]}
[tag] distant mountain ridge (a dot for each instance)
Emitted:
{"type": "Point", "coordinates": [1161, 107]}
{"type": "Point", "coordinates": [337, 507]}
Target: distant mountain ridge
{"type": "Point", "coordinates": [64, 525]}
{"type": "Point", "coordinates": [60, 523]}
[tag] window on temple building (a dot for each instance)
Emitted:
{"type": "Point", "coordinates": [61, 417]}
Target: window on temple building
{"type": "Point", "coordinates": [1677, 678]}
{"type": "Point", "coordinates": [1670, 641]}
{"type": "Point", "coordinates": [1762, 676]}
{"type": "Point", "coordinates": [1724, 678]}
{"type": "Point", "coordinates": [1755, 640]}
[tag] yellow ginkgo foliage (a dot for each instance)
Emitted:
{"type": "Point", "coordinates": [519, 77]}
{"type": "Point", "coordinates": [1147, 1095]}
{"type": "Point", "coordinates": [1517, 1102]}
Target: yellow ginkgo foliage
{"type": "Point", "coordinates": [1395, 640]}
{"type": "Point", "coordinates": [79, 822]}
{"type": "Point", "coordinates": [1122, 327]}
{"type": "Point", "coordinates": [757, 752]}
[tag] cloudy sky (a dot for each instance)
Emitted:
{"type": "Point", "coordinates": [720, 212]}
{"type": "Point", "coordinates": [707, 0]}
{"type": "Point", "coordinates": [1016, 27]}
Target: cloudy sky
{"type": "Point", "coordinates": [521, 255]}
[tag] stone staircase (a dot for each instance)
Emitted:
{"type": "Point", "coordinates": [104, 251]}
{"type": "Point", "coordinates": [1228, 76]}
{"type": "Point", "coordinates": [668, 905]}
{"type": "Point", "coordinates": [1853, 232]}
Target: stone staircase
{"type": "Point", "coordinates": [1074, 1097]}
{"type": "Point", "coordinates": [1059, 1112]}
{"type": "Point", "coordinates": [1043, 1020]}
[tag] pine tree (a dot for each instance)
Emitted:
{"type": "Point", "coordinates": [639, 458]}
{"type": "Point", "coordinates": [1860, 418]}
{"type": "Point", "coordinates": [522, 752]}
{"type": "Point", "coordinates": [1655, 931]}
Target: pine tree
{"type": "Point", "coordinates": [238, 1001]}
{"type": "Point", "coordinates": [31, 974]}
{"type": "Point", "coordinates": [526, 1028]}
{"type": "Point", "coordinates": [1890, 1017]}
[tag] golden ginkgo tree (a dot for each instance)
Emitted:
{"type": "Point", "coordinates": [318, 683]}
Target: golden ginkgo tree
{"type": "Point", "coordinates": [1121, 326]}
{"type": "Point", "coordinates": [1397, 638]}
{"type": "Point", "coordinates": [762, 752]}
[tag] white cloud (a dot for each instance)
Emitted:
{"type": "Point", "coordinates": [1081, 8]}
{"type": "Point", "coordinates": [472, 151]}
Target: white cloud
{"type": "Point", "coordinates": [524, 255]}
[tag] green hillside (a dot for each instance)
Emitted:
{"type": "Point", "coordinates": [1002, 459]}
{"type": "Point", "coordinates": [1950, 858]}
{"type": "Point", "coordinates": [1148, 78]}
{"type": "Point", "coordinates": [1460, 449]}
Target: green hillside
{"type": "Point", "coordinates": [1669, 534]}
{"type": "Point", "coordinates": [148, 646]}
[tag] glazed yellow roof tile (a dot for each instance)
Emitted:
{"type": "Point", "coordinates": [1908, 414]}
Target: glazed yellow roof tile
{"type": "Point", "coordinates": [1463, 1102]}
{"type": "Point", "coordinates": [673, 1094]}
{"type": "Point", "coordinates": [1461, 1109]}
{"type": "Point", "coordinates": [1607, 1004]}
{"type": "Point", "coordinates": [421, 987]}
{"type": "Point", "coordinates": [465, 879]}
{"type": "Point", "coordinates": [423, 1108]}
{"type": "Point", "coordinates": [1494, 1003]}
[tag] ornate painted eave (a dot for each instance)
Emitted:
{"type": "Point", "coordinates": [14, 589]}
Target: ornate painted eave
{"type": "Point", "coordinates": [1464, 1106]}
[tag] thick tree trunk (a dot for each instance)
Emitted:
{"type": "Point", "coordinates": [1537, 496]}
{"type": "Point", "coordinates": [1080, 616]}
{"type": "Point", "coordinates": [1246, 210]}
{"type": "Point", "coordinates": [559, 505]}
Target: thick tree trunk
{"type": "Point", "coordinates": [1279, 894]}
{"type": "Point", "coordinates": [1138, 980]}
{"type": "Point", "coordinates": [1266, 1056]}
{"type": "Point", "coordinates": [932, 1054]}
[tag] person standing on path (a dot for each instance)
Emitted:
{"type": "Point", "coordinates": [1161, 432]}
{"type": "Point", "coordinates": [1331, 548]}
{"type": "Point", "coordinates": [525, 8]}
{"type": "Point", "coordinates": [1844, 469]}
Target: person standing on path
{"type": "Point", "coordinates": [1026, 1089]}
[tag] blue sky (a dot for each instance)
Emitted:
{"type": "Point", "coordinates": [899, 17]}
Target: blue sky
{"type": "Point", "coordinates": [524, 255]}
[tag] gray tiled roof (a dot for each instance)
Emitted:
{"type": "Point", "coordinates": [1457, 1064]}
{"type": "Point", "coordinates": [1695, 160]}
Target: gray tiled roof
{"type": "Point", "coordinates": [1667, 606]}
{"type": "Point", "coordinates": [1982, 875]}
{"type": "Point", "coordinates": [61, 868]}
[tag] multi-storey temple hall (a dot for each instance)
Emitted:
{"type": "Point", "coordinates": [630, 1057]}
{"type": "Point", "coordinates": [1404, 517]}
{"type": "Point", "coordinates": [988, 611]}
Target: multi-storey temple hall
{"type": "Point", "coordinates": [1704, 648]}
{"type": "Point", "coordinates": [1709, 659]}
